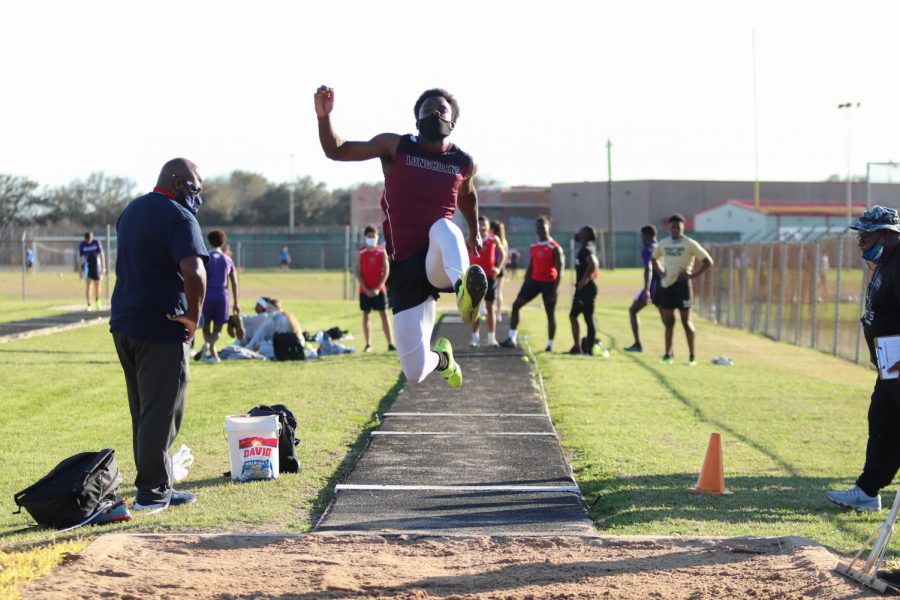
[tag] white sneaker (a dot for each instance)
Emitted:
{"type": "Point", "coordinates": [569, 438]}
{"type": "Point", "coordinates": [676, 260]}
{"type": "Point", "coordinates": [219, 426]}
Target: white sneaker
{"type": "Point", "coordinates": [856, 499]}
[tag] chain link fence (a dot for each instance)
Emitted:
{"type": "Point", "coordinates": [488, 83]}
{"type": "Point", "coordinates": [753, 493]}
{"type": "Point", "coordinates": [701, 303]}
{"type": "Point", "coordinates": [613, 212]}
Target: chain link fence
{"type": "Point", "coordinates": [806, 293]}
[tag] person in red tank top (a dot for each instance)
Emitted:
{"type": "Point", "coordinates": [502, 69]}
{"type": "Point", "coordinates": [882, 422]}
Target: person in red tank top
{"type": "Point", "coordinates": [372, 271]}
{"type": "Point", "coordinates": [425, 179]}
{"type": "Point", "coordinates": [543, 276]}
{"type": "Point", "coordinates": [491, 259]}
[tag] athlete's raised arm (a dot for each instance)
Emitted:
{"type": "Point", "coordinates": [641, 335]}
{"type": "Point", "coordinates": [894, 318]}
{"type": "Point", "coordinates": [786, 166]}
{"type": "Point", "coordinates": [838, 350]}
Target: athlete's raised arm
{"type": "Point", "coordinates": [467, 199]}
{"type": "Point", "coordinates": [382, 146]}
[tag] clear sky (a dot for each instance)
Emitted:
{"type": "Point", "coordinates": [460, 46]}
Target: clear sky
{"type": "Point", "coordinates": [123, 86]}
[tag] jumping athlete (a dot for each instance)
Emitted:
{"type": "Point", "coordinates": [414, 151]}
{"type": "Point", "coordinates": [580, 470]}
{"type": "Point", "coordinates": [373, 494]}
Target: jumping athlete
{"type": "Point", "coordinates": [91, 253]}
{"type": "Point", "coordinates": [543, 275]}
{"type": "Point", "coordinates": [425, 179]}
{"type": "Point", "coordinates": [490, 259]}
{"type": "Point", "coordinates": [678, 254]}
{"type": "Point", "coordinates": [372, 271]}
{"type": "Point", "coordinates": [651, 283]}
{"type": "Point", "coordinates": [585, 292]}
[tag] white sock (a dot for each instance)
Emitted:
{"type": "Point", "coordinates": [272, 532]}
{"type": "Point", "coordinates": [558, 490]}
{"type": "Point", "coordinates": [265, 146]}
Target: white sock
{"type": "Point", "coordinates": [550, 344]}
{"type": "Point", "coordinates": [492, 338]}
{"type": "Point", "coordinates": [513, 334]}
{"type": "Point", "coordinates": [476, 338]}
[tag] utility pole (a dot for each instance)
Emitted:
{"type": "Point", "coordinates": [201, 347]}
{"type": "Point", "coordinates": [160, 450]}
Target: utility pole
{"type": "Point", "coordinates": [609, 195]}
{"type": "Point", "coordinates": [849, 106]}
{"type": "Point", "coordinates": [291, 194]}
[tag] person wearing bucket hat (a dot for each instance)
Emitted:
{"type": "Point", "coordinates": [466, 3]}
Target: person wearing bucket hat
{"type": "Point", "coordinates": [878, 236]}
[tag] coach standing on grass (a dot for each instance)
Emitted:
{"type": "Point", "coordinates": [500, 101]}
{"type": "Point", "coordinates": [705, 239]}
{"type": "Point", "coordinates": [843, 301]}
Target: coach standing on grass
{"type": "Point", "coordinates": [878, 235]}
{"type": "Point", "coordinates": [160, 285]}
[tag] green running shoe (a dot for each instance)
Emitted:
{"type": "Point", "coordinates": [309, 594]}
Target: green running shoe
{"type": "Point", "coordinates": [470, 292]}
{"type": "Point", "coordinates": [453, 374]}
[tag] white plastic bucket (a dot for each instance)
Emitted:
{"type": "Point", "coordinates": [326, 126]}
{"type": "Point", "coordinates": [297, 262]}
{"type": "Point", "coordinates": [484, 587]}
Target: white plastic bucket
{"type": "Point", "coordinates": [253, 446]}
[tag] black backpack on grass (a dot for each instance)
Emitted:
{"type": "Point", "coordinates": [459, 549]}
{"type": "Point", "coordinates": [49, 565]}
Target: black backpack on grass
{"type": "Point", "coordinates": [287, 439]}
{"type": "Point", "coordinates": [75, 490]}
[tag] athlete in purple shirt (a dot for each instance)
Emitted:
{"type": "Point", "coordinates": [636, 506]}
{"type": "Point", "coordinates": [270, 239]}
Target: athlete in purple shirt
{"type": "Point", "coordinates": [90, 251]}
{"type": "Point", "coordinates": [219, 272]}
{"type": "Point", "coordinates": [651, 281]}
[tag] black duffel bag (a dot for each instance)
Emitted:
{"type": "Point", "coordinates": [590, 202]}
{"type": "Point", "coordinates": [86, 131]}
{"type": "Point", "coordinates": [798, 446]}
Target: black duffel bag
{"type": "Point", "coordinates": [76, 490]}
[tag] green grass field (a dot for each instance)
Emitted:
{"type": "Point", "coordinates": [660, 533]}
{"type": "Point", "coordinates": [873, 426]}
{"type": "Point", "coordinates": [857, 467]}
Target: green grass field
{"type": "Point", "coordinates": [792, 423]}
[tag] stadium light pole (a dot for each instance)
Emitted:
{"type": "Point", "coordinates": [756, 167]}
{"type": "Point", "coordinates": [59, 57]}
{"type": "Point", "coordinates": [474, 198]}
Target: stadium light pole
{"type": "Point", "coordinates": [291, 195]}
{"type": "Point", "coordinates": [849, 106]}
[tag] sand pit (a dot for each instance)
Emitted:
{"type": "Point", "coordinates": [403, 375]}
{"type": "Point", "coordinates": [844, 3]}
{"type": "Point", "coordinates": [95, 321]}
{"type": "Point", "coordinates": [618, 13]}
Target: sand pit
{"type": "Point", "coordinates": [372, 566]}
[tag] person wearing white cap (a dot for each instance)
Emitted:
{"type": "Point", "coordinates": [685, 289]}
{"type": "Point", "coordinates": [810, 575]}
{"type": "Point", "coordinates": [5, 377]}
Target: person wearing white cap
{"type": "Point", "coordinates": [264, 309]}
{"type": "Point", "coordinates": [878, 236]}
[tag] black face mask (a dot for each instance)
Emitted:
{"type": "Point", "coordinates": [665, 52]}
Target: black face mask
{"type": "Point", "coordinates": [434, 128]}
{"type": "Point", "coordinates": [192, 201]}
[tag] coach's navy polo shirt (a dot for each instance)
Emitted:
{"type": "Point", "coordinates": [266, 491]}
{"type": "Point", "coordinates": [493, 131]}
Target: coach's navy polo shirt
{"type": "Point", "coordinates": [154, 234]}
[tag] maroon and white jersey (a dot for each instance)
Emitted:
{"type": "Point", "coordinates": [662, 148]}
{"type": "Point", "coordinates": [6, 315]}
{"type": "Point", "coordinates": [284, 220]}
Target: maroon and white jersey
{"type": "Point", "coordinates": [422, 188]}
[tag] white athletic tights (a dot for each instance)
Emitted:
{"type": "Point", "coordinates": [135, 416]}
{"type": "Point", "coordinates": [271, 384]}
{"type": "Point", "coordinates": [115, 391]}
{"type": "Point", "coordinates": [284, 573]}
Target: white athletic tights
{"type": "Point", "coordinates": [446, 261]}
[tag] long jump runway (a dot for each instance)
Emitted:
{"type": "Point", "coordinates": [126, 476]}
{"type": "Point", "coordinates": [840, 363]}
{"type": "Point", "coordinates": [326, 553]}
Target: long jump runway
{"type": "Point", "coordinates": [483, 459]}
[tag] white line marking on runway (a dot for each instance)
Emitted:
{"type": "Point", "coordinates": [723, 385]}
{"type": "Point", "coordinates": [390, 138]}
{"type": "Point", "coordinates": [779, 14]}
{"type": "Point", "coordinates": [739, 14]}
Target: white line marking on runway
{"type": "Point", "coordinates": [446, 414]}
{"type": "Point", "coordinates": [463, 433]}
{"type": "Point", "coordinates": [460, 488]}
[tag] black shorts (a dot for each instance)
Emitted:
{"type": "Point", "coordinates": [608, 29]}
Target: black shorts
{"type": "Point", "coordinates": [583, 301]}
{"type": "Point", "coordinates": [491, 290]}
{"type": "Point", "coordinates": [408, 284]}
{"type": "Point", "coordinates": [91, 270]}
{"type": "Point", "coordinates": [375, 303]}
{"type": "Point", "coordinates": [531, 288]}
{"type": "Point", "coordinates": [677, 295]}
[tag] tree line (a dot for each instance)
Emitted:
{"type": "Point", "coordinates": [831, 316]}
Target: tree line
{"type": "Point", "coordinates": [239, 198]}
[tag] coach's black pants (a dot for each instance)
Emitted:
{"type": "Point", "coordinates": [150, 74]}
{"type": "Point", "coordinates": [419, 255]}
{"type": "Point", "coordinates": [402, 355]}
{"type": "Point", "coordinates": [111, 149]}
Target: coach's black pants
{"type": "Point", "coordinates": [883, 447]}
{"type": "Point", "coordinates": [156, 375]}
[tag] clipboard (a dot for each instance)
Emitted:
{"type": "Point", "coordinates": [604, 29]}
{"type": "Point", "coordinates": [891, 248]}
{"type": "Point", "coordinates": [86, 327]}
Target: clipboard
{"type": "Point", "coordinates": [887, 354]}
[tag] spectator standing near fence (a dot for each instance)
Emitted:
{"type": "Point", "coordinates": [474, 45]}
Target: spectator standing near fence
{"type": "Point", "coordinates": [29, 260]}
{"type": "Point", "coordinates": [372, 271]}
{"type": "Point", "coordinates": [160, 286]}
{"type": "Point", "coordinates": [90, 251]}
{"type": "Point", "coordinates": [878, 237]}
{"type": "Point", "coordinates": [220, 275]}
{"type": "Point", "coordinates": [490, 259]}
{"type": "Point", "coordinates": [674, 261]}
{"type": "Point", "coordinates": [543, 276]}
{"type": "Point", "coordinates": [285, 258]}
{"type": "Point", "coordinates": [651, 281]}
{"type": "Point", "coordinates": [425, 179]}
{"type": "Point", "coordinates": [498, 229]}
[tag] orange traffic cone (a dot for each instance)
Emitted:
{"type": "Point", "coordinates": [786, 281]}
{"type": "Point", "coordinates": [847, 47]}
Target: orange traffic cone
{"type": "Point", "coordinates": [712, 474]}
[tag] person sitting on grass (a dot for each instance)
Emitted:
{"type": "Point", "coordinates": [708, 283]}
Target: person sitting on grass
{"type": "Point", "coordinates": [279, 321]}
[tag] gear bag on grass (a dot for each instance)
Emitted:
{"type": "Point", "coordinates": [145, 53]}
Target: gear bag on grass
{"type": "Point", "coordinates": [74, 492]}
{"type": "Point", "coordinates": [287, 439]}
